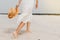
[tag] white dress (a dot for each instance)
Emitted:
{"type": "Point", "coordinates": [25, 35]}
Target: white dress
{"type": "Point", "coordinates": [26, 14]}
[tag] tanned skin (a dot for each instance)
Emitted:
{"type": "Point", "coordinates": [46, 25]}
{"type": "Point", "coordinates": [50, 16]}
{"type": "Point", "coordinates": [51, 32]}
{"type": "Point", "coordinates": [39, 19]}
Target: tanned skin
{"type": "Point", "coordinates": [36, 4]}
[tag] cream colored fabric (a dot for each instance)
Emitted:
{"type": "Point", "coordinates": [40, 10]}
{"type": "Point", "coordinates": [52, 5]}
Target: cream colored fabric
{"type": "Point", "coordinates": [26, 14]}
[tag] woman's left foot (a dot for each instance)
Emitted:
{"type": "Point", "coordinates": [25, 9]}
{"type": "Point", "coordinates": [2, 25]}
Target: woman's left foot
{"type": "Point", "coordinates": [15, 34]}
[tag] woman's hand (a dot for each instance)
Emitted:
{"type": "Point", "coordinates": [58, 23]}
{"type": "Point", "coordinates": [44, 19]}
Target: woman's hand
{"type": "Point", "coordinates": [17, 6]}
{"type": "Point", "coordinates": [36, 4]}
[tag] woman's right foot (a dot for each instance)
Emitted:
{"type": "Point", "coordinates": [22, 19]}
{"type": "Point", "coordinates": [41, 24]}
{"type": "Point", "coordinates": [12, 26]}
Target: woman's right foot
{"type": "Point", "coordinates": [28, 31]}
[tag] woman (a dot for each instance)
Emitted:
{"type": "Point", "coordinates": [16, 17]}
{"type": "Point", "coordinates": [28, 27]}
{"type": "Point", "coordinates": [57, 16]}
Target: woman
{"type": "Point", "coordinates": [25, 17]}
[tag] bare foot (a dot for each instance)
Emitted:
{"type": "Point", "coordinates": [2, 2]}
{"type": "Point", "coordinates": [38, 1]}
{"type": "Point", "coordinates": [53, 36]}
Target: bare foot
{"type": "Point", "coordinates": [28, 31]}
{"type": "Point", "coordinates": [15, 34]}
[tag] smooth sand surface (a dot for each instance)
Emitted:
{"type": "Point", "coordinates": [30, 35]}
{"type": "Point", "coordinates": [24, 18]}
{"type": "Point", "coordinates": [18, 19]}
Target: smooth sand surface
{"type": "Point", "coordinates": [43, 27]}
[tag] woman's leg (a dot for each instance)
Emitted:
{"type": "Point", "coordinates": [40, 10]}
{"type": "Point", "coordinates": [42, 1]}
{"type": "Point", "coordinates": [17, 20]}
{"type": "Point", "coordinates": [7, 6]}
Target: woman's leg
{"type": "Point", "coordinates": [28, 27]}
{"type": "Point", "coordinates": [20, 26]}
